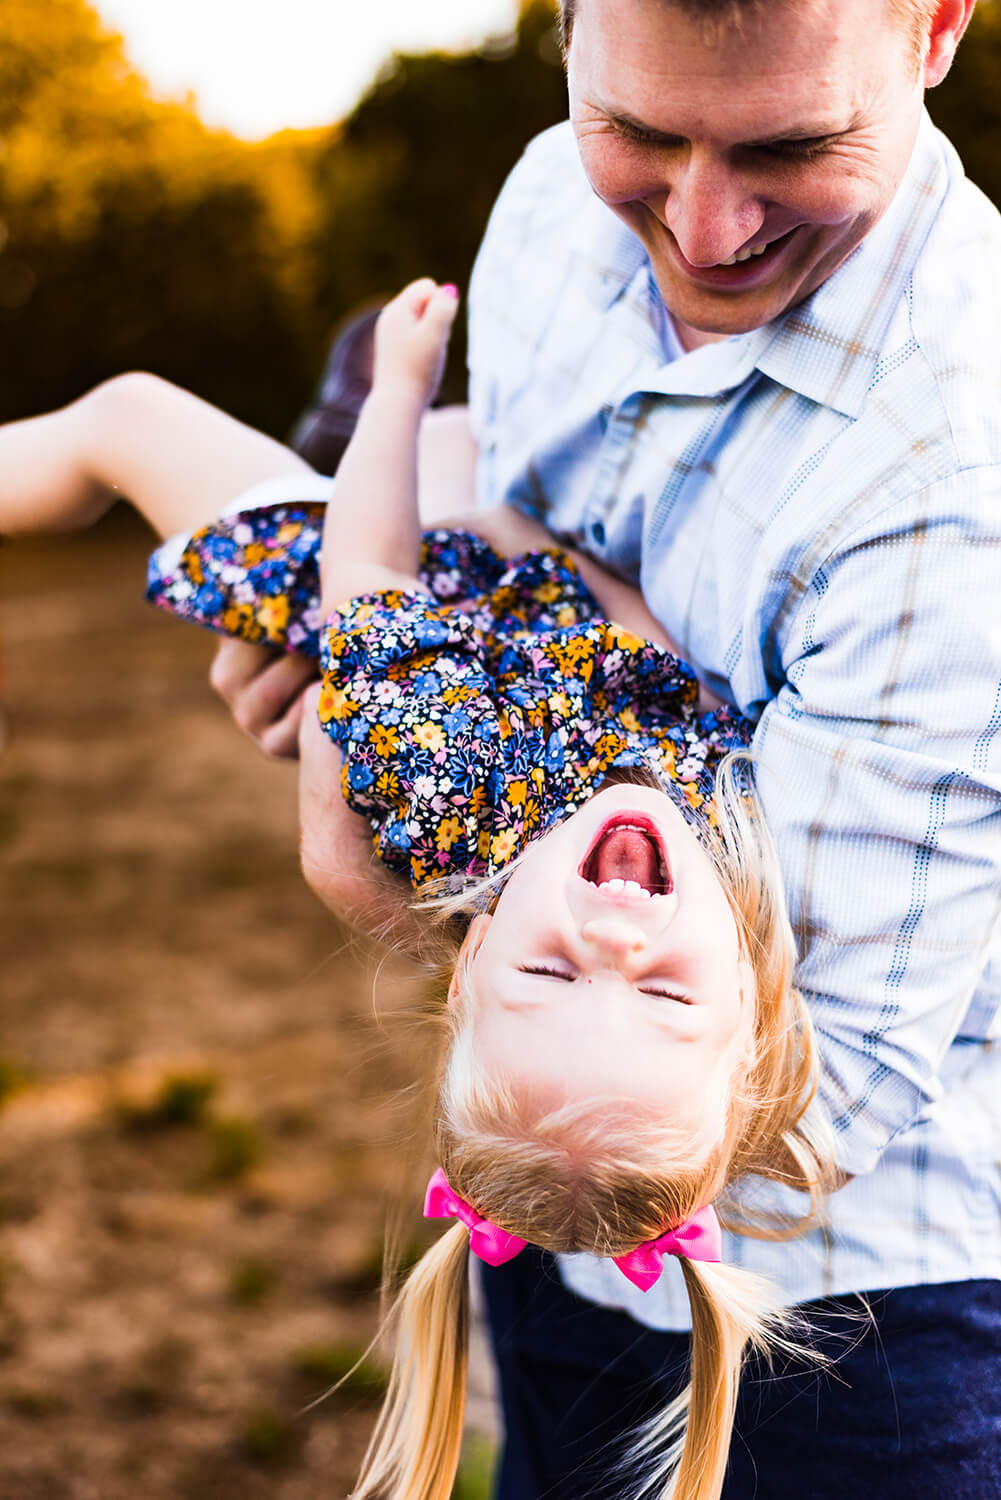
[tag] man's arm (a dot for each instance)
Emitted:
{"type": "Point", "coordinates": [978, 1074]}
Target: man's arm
{"type": "Point", "coordinates": [878, 767]}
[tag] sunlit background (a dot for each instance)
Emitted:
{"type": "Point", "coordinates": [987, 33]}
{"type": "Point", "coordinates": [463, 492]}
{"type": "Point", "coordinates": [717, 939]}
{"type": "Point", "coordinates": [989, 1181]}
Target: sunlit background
{"type": "Point", "coordinates": [205, 187]}
{"type": "Point", "coordinates": [257, 66]}
{"type": "Point", "coordinates": [197, 1134]}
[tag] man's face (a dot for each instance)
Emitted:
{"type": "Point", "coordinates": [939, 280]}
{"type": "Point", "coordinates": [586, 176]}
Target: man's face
{"type": "Point", "coordinates": [751, 165]}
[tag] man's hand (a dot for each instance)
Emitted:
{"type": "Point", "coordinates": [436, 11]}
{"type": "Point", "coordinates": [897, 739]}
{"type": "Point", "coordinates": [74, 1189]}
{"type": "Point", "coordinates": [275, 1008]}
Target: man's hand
{"type": "Point", "coordinates": [263, 690]}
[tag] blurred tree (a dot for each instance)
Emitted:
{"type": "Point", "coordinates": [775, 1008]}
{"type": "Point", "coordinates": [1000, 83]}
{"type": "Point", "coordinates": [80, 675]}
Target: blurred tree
{"type": "Point", "coordinates": [409, 184]}
{"type": "Point", "coordinates": [132, 236]}
{"type": "Point", "coordinates": [967, 105]}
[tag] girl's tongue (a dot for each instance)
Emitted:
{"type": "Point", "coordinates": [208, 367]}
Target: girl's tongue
{"type": "Point", "coordinates": [626, 854]}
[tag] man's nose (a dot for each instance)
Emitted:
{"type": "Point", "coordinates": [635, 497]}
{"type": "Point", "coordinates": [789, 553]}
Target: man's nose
{"type": "Point", "coordinates": [615, 937]}
{"type": "Point", "coordinates": [710, 210]}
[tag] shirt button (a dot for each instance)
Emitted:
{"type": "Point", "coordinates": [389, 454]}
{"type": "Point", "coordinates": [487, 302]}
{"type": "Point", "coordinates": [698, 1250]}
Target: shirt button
{"type": "Point", "coordinates": [598, 532]}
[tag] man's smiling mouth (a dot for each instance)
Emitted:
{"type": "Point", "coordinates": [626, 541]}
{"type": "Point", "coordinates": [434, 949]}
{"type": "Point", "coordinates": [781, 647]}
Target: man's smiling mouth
{"type": "Point", "coordinates": [749, 263]}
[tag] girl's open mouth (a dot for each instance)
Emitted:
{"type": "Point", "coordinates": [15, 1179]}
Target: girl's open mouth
{"type": "Point", "coordinates": [628, 858]}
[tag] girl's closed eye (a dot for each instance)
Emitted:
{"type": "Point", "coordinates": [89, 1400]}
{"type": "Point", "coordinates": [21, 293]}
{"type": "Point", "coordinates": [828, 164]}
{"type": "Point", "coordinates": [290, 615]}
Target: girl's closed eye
{"type": "Point", "coordinates": [549, 971]}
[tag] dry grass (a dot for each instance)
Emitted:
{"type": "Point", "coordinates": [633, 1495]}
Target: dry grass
{"type": "Point", "coordinates": [196, 1135]}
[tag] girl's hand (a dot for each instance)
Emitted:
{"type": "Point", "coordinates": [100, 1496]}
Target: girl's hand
{"type": "Point", "coordinates": [411, 338]}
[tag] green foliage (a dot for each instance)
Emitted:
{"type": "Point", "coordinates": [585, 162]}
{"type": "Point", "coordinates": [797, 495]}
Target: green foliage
{"type": "Point", "coordinates": [474, 1480]}
{"type": "Point", "coordinates": [407, 187]}
{"type": "Point", "coordinates": [133, 238]}
{"type": "Point", "coordinates": [345, 1366]}
{"type": "Point", "coordinates": [182, 1099]}
{"type": "Point", "coordinates": [235, 1145]}
{"type": "Point", "coordinates": [250, 1282]}
{"type": "Point", "coordinates": [268, 1436]}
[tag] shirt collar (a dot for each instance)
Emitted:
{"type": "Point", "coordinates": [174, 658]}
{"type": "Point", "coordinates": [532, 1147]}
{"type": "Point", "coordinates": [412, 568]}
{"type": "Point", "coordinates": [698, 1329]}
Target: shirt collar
{"type": "Point", "coordinates": [826, 348]}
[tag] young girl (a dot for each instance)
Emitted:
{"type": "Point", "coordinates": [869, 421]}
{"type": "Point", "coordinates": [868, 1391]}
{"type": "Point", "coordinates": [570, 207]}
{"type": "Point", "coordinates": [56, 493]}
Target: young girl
{"type": "Point", "coordinates": [622, 1038]}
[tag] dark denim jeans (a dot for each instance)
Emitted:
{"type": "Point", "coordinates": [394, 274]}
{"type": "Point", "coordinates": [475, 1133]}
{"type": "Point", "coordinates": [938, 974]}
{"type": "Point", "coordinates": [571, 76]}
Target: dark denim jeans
{"type": "Point", "coordinates": [910, 1410]}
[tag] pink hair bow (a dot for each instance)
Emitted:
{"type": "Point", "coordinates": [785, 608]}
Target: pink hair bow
{"type": "Point", "coordinates": [486, 1240]}
{"type": "Point", "coordinates": [698, 1238]}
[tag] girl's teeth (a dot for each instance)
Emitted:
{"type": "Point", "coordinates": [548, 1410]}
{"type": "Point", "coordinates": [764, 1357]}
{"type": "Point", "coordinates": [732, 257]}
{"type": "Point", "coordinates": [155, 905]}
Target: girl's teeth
{"type": "Point", "coordinates": [625, 887]}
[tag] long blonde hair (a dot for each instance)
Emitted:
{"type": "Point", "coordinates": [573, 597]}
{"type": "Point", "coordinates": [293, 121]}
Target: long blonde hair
{"type": "Point", "coordinates": [588, 1175]}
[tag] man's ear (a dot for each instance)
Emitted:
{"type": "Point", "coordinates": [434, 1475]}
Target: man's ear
{"type": "Point", "coordinates": [950, 20]}
{"type": "Point", "coordinates": [475, 934]}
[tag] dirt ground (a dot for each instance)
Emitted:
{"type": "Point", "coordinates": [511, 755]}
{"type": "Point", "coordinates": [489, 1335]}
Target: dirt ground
{"type": "Point", "coordinates": [198, 1132]}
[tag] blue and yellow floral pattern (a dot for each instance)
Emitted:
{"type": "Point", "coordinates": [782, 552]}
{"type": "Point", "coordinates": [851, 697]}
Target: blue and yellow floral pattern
{"type": "Point", "coordinates": [471, 718]}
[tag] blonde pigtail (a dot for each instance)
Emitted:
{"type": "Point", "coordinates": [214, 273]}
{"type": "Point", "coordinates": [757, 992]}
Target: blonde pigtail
{"type": "Point", "coordinates": [684, 1449]}
{"type": "Point", "coordinates": [414, 1452]}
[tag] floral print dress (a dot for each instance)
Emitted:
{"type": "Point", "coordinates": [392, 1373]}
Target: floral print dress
{"type": "Point", "coordinates": [473, 717]}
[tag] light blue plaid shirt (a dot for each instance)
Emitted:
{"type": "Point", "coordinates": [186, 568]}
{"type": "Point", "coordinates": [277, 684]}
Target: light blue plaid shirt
{"type": "Point", "coordinates": [814, 512]}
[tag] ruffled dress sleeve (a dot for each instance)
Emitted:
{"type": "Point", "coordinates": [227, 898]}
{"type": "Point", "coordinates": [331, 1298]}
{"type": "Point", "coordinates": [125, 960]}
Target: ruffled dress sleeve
{"type": "Point", "coordinates": [408, 698]}
{"type": "Point", "coordinates": [449, 726]}
{"type": "Point", "coordinates": [255, 574]}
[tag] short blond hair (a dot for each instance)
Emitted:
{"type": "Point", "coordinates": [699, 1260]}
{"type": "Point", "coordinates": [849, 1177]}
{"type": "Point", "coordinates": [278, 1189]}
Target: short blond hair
{"type": "Point", "coordinates": [914, 16]}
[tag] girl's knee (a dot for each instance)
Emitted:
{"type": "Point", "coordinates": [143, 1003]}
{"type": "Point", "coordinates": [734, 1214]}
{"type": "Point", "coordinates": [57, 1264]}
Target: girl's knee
{"type": "Point", "coordinates": [123, 401]}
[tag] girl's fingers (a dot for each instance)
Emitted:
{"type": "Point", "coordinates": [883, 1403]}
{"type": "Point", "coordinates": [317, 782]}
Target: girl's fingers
{"type": "Point", "coordinates": [417, 295]}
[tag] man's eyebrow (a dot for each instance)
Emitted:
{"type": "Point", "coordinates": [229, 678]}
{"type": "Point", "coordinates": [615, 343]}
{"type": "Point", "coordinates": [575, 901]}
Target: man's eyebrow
{"type": "Point", "coordinates": [622, 117]}
{"type": "Point", "coordinates": [822, 131]}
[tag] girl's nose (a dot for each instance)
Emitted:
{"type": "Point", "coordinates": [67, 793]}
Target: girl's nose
{"type": "Point", "coordinates": [616, 936]}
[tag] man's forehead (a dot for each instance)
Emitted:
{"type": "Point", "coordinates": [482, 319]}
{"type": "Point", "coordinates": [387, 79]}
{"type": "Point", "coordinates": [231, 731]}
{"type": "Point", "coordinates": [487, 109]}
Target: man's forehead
{"type": "Point", "coordinates": [642, 63]}
{"type": "Point", "coordinates": [725, 23]}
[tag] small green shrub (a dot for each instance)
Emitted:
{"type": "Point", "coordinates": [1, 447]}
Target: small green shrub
{"type": "Point", "coordinates": [268, 1436]}
{"type": "Point", "coordinates": [250, 1282]}
{"type": "Point", "coordinates": [342, 1365]}
{"type": "Point", "coordinates": [183, 1099]}
{"type": "Point", "coordinates": [235, 1147]}
{"type": "Point", "coordinates": [474, 1480]}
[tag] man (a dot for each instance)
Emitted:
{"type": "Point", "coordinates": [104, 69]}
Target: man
{"type": "Point", "coordinates": [735, 331]}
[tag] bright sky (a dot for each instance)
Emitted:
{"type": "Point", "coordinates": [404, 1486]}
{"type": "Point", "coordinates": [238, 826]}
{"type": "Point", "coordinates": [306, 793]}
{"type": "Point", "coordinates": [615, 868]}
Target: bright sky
{"type": "Point", "coordinates": [256, 66]}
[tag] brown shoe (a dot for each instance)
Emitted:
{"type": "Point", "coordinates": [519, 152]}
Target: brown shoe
{"type": "Point", "coordinates": [324, 430]}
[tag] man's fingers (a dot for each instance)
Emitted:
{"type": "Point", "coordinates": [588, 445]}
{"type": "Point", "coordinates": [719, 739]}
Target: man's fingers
{"type": "Point", "coordinates": [234, 665]}
{"type": "Point", "coordinates": [262, 687]}
{"type": "Point", "coordinates": [282, 738]}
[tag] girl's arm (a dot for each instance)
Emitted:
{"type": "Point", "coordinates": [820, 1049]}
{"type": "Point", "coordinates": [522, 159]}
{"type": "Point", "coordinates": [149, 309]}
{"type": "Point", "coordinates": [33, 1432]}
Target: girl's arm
{"type": "Point", "coordinates": [371, 537]}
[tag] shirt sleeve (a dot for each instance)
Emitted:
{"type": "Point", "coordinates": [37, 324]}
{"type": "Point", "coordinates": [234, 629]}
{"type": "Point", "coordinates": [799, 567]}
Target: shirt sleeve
{"type": "Point", "coordinates": [493, 343]}
{"type": "Point", "coordinates": [878, 766]}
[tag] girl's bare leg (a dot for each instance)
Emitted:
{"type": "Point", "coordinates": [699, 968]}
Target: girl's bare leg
{"type": "Point", "coordinates": [177, 459]}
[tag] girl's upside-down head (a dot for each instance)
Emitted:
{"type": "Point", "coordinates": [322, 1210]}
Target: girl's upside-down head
{"type": "Point", "coordinates": [624, 1042]}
